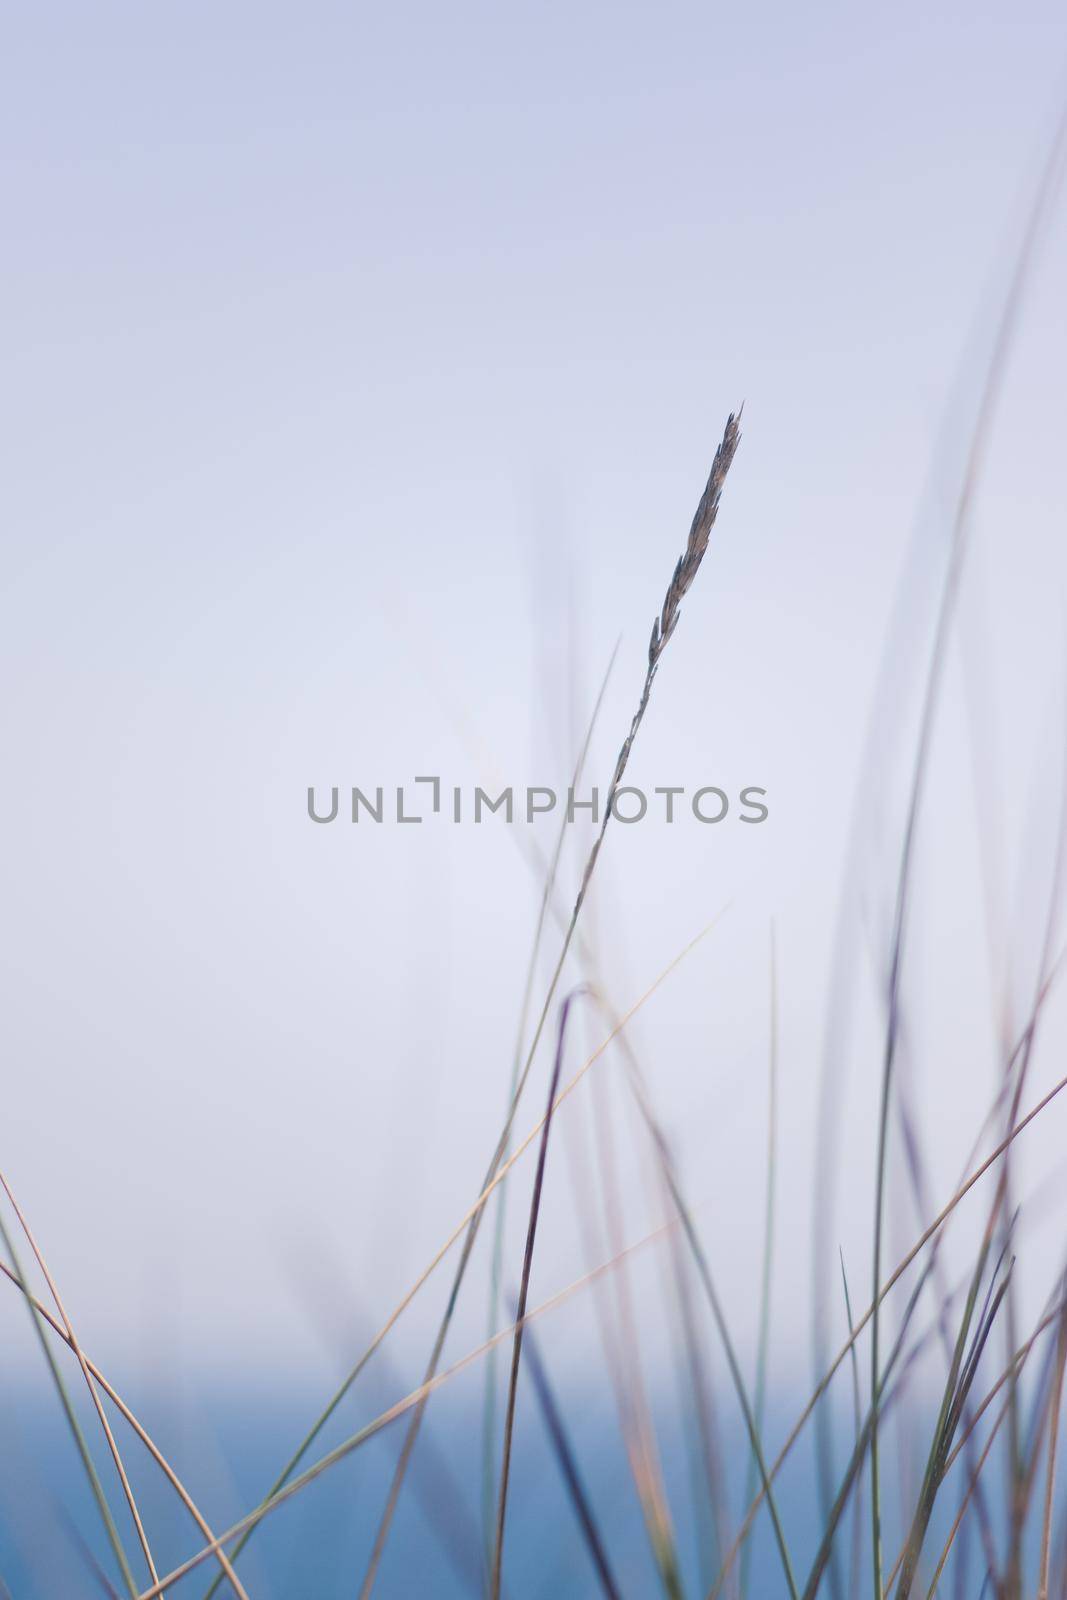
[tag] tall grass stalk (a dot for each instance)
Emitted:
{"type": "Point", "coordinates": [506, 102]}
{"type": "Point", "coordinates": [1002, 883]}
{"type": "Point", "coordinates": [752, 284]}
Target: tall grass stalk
{"type": "Point", "coordinates": [372, 1429]}
{"type": "Point", "coordinates": [89, 1381]}
{"type": "Point", "coordinates": [663, 628]}
{"type": "Point", "coordinates": [933, 1232]}
{"type": "Point", "coordinates": [1004, 339]}
{"type": "Point", "coordinates": [70, 1414]}
{"type": "Point", "coordinates": [524, 1291]}
{"type": "Point", "coordinates": [385, 1419]}
{"type": "Point", "coordinates": [462, 1227]}
{"type": "Point", "coordinates": [566, 1456]}
{"type": "Point", "coordinates": [550, 877]}
{"type": "Point", "coordinates": [137, 1429]}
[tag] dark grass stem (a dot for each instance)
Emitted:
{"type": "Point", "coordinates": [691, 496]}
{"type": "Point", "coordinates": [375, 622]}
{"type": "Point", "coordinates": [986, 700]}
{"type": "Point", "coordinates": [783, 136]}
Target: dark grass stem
{"type": "Point", "coordinates": [547, 893]}
{"type": "Point", "coordinates": [568, 1465]}
{"type": "Point", "coordinates": [956, 1392]}
{"type": "Point", "coordinates": [473, 1212]}
{"type": "Point", "coordinates": [385, 1419]}
{"type": "Point", "coordinates": [524, 1294]}
{"type": "Point", "coordinates": [931, 1232]}
{"type": "Point", "coordinates": [375, 1427]}
{"type": "Point", "coordinates": [662, 629]}
{"type": "Point", "coordinates": [1003, 342]}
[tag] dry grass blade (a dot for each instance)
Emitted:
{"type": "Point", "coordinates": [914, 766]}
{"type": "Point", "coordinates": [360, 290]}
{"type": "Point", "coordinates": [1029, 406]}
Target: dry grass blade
{"type": "Point", "coordinates": [153, 1450]}
{"type": "Point", "coordinates": [972, 1485]}
{"type": "Point", "coordinates": [712, 1491]}
{"type": "Point", "coordinates": [839, 1504]}
{"type": "Point", "coordinates": [96, 1487]}
{"type": "Point", "coordinates": [620, 1327]}
{"type": "Point", "coordinates": [700, 1258]}
{"type": "Point", "coordinates": [684, 573]}
{"type": "Point", "coordinates": [87, 1375]}
{"type": "Point", "coordinates": [1011, 1371]}
{"type": "Point", "coordinates": [598, 1215]}
{"type": "Point", "coordinates": [898, 1272]}
{"type": "Point", "coordinates": [320, 1276]}
{"type": "Point", "coordinates": [401, 1408]}
{"type": "Point", "coordinates": [916, 1174]}
{"type": "Point", "coordinates": [548, 889]}
{"type": "Point", "coordinates": [524, 1291]}
{"type": "Point", "coordinates": [956, 1393]}
{"type": "Point", "coordinates": [411, 1400]}
{"type": "Point", "coordinates": [989, 397]}
{"type": "Point", "coordinates": [683, 577]}
{"type": "Point", "coordinates": [637, 1436]}
{"type": "Point", "coordinates": [462, 1225]}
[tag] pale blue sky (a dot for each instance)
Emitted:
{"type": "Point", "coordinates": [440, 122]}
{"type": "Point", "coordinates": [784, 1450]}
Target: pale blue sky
{"type": "Point", "coordinates": [342, 344]}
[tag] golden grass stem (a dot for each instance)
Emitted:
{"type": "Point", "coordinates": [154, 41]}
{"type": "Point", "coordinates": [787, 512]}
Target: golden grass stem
{"type": "Point", "coordinates": [473, 1211]}
{"type": "Point", "coordinates": [120, 1405]}
{"type": "Point", "coordinates": [547, 894]}
{"type": "Point", "coordinates": [898, 1272]}
{"type": "Point", "coordinates": [371, 1429]}
{"type": "Point", "coordinates": [81, 1445]}
{"type": "Point", "coordinates": [87, 1375]}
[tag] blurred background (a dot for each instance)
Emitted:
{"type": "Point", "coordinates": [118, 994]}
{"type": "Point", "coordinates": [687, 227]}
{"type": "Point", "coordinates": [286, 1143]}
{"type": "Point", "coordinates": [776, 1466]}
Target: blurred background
{"type": "Point", "coordinates": [363, 370]}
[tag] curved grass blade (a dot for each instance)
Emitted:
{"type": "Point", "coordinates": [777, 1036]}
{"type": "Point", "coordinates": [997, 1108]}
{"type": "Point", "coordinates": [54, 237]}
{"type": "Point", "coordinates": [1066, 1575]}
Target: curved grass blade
{"type": "Point", "coordinates": [524, 1292]}
{"type": "Point", "coordinates": [128, 1416]}
{"type": "Point", "coordinates": [568, 1465]}
{"type": "Point", "coordinates": [684, 574]}
{"type": "Point", "coordinates": [547, 893]}
{"type": "Point", "coordinates": [931, 1232]}
{"type": "Point", "coordinates": [371, 1430]}
{"type": "Point", "coordinates": [116, 1455]}
{"type": "Point", "coordinates": [72, 1420]}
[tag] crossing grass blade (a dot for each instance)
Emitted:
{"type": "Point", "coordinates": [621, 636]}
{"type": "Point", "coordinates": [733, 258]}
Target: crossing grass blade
{"type": "Point", "coordinates": [524, 1291]}
{"type": "Point", "coordinates": [69, 1413]}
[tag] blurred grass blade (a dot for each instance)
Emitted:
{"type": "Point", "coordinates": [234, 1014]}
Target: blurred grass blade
{"type": "Point", "coordinates": [568, 1465]}
{"type": "Point", "coordinates": [98, 1405]}
{"type": "Point", "coordinates": [547, 893]}
{"type": "Point", "coordinates": [664, 626]}
{"type": "Point", "coordinates": [68, 1411]}
{"type": "Point", "coordinates": [768, 1249]}
{"type": "Point", "coordinates": [524, 1293]}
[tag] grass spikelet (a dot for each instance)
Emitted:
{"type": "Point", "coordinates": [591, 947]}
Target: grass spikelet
{"type": "Point", "coordinates": [663, 628]}
{"type": "Point", "coordinates": [681, 581]}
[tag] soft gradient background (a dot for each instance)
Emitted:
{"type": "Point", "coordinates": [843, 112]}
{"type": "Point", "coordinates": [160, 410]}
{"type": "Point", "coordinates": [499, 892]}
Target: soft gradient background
{"type": "Point", "coordinates": [362, 370]}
